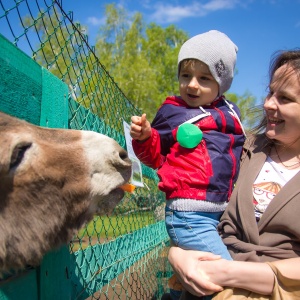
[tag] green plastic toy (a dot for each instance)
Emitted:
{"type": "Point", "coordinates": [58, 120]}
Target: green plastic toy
{"type": "Point", "coordinates": [189, 135]}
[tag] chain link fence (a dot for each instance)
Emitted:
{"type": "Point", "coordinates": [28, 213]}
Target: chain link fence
{"type": "Point", "coordinates": [122, 256]}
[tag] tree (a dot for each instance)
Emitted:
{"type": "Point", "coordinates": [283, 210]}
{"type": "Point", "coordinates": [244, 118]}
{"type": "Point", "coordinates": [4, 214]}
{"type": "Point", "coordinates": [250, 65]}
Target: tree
{"type": "Point", "coordinates": [62, 52]}
{"type": "Point", "coordinates": [247, 105]}
{"type": "Point", "coordinates": [142, 59]}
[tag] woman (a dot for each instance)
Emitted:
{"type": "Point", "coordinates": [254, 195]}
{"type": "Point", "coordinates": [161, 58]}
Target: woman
{"type": "Point", "coordinates": [261, 225]}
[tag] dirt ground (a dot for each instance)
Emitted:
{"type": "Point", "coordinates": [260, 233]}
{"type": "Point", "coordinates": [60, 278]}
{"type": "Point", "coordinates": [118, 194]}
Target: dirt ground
{"type": "Point", "coordinates": [136, 283]}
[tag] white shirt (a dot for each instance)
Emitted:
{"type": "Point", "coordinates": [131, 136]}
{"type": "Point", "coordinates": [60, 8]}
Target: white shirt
{"type": "Point", "coordinates": [270, 180]}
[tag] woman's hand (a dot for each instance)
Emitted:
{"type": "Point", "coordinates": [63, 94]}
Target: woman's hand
{"type": "Point", "coordinates": [187, 266]}
{"type": "Point", "coordinates": [203, 273]}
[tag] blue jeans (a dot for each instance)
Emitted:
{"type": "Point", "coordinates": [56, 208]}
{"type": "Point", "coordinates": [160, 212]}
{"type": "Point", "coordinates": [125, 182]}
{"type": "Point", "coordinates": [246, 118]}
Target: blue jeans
{"type": "Point", "coordinates": [195, 231]}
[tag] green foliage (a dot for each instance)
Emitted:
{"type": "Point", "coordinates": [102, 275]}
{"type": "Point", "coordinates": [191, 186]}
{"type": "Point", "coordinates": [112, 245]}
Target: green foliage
{"type": "Point", "coordinates": [56, 51]}
{"type": "Point", "coordinates": [246, 104]}
{"type": "Point", "coordinates": [141, 58]}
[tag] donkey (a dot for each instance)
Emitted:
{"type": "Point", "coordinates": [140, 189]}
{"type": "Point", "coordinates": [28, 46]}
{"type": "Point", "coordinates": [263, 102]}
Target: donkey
{"type": "Point", "coordinates": [52, 181]}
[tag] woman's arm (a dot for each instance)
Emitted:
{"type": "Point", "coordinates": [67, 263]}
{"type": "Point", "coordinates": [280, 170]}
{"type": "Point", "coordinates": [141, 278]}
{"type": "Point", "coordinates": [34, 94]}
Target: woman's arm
{"type": "Point", "coordinates": [251, 276]}
{"type": "Point", "coordinates": [203, 273]}
{"type": "Point", "coordinates": [257, 277]}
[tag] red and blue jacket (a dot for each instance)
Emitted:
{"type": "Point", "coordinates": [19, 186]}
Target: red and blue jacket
{"type": "Point", "coordinates": [206, 172]}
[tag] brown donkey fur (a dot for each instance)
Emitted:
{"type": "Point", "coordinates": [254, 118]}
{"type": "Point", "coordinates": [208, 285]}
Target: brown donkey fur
{"type": "Point", "coordinates": [52, 181]}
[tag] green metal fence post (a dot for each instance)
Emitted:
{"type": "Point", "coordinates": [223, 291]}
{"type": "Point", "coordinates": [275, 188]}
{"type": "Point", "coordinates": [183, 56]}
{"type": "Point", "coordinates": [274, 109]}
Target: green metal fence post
{"type": "Point", "coordinates": [54, 106]}
{"type": "Point", "coordinates": [54, 271]}
{"type": "Point", "coordinates": [54, 276]}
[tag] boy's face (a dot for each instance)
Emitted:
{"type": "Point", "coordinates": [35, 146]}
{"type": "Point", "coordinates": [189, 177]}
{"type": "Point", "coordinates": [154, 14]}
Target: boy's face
{"type": "Point", "coordinates": [196, 84]}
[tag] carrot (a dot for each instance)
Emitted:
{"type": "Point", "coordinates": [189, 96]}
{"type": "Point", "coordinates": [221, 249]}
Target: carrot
{"type": "Point", "coordinates": [127, 187]}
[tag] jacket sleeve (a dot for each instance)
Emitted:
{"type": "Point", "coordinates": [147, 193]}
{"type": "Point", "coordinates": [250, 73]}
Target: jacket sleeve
{"type": "Point", "coordinates": [161, 124]}
{"type": "Point", "coordinates": [148, 152]}
{"type": "Point", "coordinates": [286, 286]}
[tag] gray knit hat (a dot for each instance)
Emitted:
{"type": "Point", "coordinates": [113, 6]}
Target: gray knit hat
{"type": "Point", "coordinates": [217, 51]}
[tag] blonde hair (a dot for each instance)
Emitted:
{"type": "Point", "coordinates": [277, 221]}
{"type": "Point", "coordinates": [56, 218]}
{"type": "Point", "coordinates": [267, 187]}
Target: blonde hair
{"type": "Point", "coordinates": [189, 63]}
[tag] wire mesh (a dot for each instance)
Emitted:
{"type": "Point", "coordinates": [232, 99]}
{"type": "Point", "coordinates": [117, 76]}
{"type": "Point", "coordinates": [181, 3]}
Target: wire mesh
{"type": "Point", "coordinates": [122, 256]}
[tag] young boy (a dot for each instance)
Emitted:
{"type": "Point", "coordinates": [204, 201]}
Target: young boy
{"type": "Point", "coordinates": [195, 142]}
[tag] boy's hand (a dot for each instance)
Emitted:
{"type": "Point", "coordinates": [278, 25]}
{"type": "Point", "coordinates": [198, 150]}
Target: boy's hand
{"type": "Point", "coordinates": [140, 128]}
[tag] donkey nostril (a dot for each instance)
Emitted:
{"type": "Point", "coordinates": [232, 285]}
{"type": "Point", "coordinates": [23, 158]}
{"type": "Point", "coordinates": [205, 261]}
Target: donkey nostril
{"type": "Point", "coordinates": [123, 154]}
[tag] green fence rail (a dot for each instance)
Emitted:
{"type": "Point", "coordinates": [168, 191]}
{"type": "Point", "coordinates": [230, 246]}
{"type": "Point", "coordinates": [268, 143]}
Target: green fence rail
{"type": "Point", "coordinates": [51, 76]}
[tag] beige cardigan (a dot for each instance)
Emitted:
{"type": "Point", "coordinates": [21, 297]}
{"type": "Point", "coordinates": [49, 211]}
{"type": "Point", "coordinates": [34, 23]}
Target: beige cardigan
{"type": "Point", "coordinates": [285, 288]}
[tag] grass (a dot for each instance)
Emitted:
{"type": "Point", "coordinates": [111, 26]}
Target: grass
{"type": "Point", "coordinates": [104, 228]}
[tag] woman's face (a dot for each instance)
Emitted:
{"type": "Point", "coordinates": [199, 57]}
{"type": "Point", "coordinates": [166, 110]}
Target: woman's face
{"type": "Point", "coordinates": [282, 106]}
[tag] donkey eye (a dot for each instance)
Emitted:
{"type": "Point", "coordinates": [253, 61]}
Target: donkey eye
{"type": "Point", "coordinates": [18, 154]}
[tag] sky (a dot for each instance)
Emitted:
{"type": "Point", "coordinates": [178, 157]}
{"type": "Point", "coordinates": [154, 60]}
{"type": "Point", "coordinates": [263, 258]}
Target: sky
{"type": "Point", "coordinates": [257, 27]}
